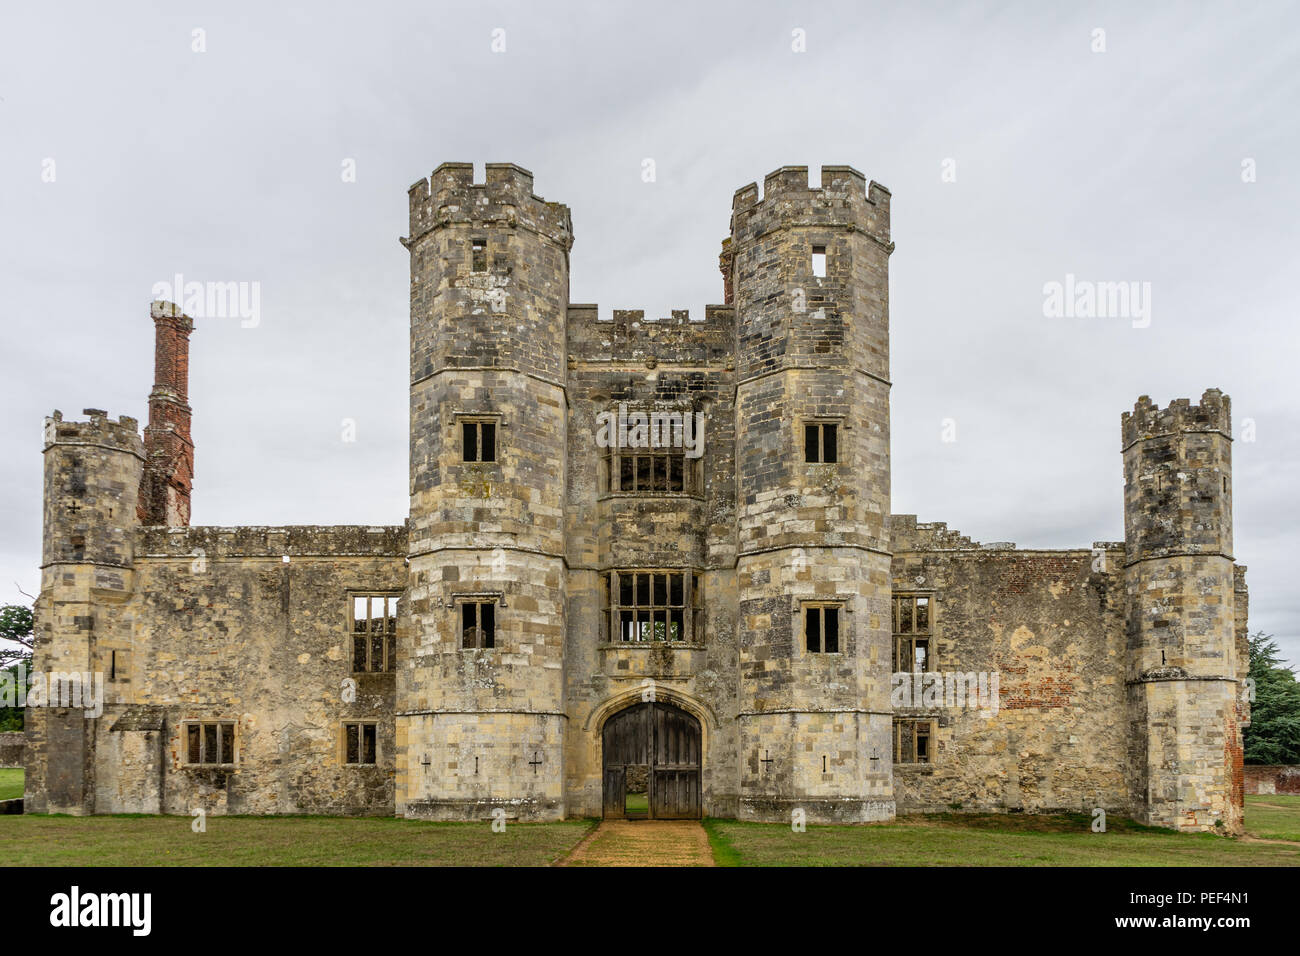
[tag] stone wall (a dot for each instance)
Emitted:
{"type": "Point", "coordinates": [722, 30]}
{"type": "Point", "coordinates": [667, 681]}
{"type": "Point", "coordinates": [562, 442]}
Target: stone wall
{"type": "Point", "coordinates": [13, 749]}
{"type": "Point", "coordinates": [684, 367]}
{"type": "Point", "coordinates": [1272, 779]}
{"type": "Point", "coordinates": [246, 625]}
{"type": "Point", "coordinates": [1050, 624]}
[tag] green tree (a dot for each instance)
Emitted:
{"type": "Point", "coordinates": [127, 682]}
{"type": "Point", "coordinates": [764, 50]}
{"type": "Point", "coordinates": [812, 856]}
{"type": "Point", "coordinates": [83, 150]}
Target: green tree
{"type": "Point", "coordinates": [15, 654]}
{"type": "Point", "coordinates": [1273, 736]}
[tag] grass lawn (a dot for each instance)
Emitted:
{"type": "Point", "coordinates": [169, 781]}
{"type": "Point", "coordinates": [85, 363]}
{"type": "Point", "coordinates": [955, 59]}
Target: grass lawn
{"type": "Point", "coordinates": [1273, 816]}
{"type": "Point", "coordinates": [11, 783]}
{"type": "Point", "coordinates": [956, 839]}
{"type": "Point", "coordinates": [279, 841]}
{"type": "Point", "coordinates": [946, 839]}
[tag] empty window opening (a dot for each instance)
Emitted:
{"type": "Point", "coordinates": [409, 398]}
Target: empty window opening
{"type": "Point", "coordinates": [478, 255]}
{"type": "Point", "coordinates": [210, 743]}
{"type": "Point", "coordinates": [819, 261]}
{"type": "Point", "coordinates": [821, 442]}
{"type": "Point", "coordinates": [478, 440]}
{"type": "Point", "coordinates": [359, 743]}
{"type": "Point", "coordinates": [821, 627]}
{"type": "Point", "coordinates": [374, 632]}
{"type": "Point", "coordinates": [478, 624]}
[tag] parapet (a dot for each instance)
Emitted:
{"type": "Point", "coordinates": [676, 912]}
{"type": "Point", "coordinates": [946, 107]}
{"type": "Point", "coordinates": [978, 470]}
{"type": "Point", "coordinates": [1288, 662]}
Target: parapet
{"type": "Point", "coordinates": [843, 198]}
{"type": "Point", "coordinates": [259, 541]}
{"type": "Point", "coordinates": [1148, 420]}
{"type": "Point", "coordinates": [506, 198]}
{"type": "Point", "coordinates": [631, 338]}
{"type": "Point", "coordinates": [122, 435]}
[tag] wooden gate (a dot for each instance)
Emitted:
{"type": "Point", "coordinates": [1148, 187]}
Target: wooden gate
{"type": "Point", "coordinates": [663, 739]}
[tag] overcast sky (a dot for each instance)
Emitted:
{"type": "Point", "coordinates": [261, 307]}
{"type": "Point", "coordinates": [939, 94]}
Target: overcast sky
{"type": "Point", "coordinates": [1017, 154]}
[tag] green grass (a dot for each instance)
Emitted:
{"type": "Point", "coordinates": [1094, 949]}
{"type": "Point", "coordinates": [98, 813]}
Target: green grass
{"type": "Point", "coordinates": [942, 839]}
{"type": "Point", "coordinates": [637, 803]}
{"type": "Point", "coordinates": [31, 840]}
{"type": "Point", "coordinates": [964, 839]}
{"type": "Point", "coordinates": [1273, 816]}
{"type": "Point", "coordinates": [11, 783]}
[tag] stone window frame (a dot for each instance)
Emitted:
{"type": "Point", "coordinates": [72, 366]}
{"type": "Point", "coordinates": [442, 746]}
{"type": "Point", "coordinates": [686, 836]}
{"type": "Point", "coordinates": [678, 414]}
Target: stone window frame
{"type": "Point", "coordinates": [359, 722]}
{"type": "Point", "coordinates": [478, 246]}
{"type": "Point", "coordinates": [494, 599]}
{"type": "Point", "coordinates": [911, 635]}
{"type": "Point", "coordinates": [931, 737]}
{"type": "Point", "coordinates": [221, 724]}
{"type": "Point", "coordinates": [841, 626]}
{"type": "Point", "coordinates": [613, 609]}
{"type": "Point", "coordinates": [611, 457]}
{"type": "Point", "coordinates": [472, 418]}
{"type": "Point", "coordinates": [820, 422]}
{"type": "Point", "coordinates": [388, 647]}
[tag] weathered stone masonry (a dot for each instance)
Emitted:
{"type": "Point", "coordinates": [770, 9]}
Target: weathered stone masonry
{"type": "Point", "coordinates": [760, 596]}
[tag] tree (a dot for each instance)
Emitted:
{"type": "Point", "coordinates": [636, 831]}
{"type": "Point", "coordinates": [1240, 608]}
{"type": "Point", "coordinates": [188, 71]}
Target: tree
{"type": "Point", "coordinates": [15, 658]}
{"type": "Point", "coordinates": [1273, 736]}
{"type": "Point", "coordinates": [15, 626]}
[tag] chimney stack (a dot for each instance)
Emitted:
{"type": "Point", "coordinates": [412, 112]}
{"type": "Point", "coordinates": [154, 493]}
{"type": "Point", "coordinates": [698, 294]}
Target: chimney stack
{"type": "Point", "coordinates": [168, 448]}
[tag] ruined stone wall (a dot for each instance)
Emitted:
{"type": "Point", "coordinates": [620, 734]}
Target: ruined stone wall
{"type": "Point", "coordinates": [13, 748]}
{"type": "Point", "coordinates": [671, 365]}
{"type": "Point", "coordinates": [1050, 624]}
{"type": "Point", "coordinates": [1272, 779]}
{"type": "Point", "coordinates": [220, 626]}
{"type": "Point", "coordinates": [1117, 667]}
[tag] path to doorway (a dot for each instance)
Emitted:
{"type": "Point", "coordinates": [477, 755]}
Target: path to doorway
{"type": "Point", "coordinates": [643, 843]}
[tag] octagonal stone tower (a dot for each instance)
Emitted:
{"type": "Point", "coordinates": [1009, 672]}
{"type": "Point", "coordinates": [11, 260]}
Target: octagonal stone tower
{"type": "Point", "coordinates": [808, 270]}
{"type": "Point", "coordinates": [1183, 670]}
{"type": "Point", "coordinates": [481, 718]}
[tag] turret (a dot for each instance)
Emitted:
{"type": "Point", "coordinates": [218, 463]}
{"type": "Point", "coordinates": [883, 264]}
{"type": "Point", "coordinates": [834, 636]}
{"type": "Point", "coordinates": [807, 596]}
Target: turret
{"type": "Point", "coordinates": [480, 682]}
{"type": "Point", "coordinates": [1182, 668]}
{"type": "Point", "coordinates": [808, 271]}
{"type": "Point", "coordinates": [92, 477]}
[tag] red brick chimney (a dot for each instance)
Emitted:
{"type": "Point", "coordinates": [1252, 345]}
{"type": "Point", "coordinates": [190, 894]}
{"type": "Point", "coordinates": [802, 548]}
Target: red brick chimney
{"type": "Point", "coordinates": [168, 448]}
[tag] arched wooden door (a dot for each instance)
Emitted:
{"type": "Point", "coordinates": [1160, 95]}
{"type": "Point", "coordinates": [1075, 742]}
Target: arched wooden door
{"type": "Point", "coordinates": [660, 744]}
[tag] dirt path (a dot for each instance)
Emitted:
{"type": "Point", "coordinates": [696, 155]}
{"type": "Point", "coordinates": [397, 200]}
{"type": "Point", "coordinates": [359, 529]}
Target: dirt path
{"type": "Point", "coordinates": [643, 843]}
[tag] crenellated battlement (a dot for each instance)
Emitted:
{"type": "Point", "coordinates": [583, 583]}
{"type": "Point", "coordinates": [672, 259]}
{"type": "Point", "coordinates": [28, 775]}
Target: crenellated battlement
{"type": "Point", "coordinates": [844, 198]}
{"type": "Point", "coordinates": [1148, 420]}
{"type": "Point", "coordinates": [630, 337]}
{"type": "Point", "coordinates": [506, 199]}
{"type": "Point", "coordinates": [98, 429]}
